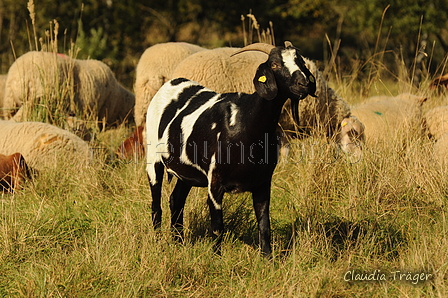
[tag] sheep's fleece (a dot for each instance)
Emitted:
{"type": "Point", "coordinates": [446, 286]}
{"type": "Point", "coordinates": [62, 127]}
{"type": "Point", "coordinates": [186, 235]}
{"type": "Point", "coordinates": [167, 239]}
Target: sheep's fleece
{"type": "Point", "coordinates": [42, 145]}
{"type": "Point", "coordinates": [436, 121]}
{"type": "Point", "coordinates": [436, 124]}
{"type": "Point", "coordinates": [2, 93]}
{"type": "Point", "coordinates": [218, 71]}
{"type": "Point", "coordinates": [215, 69]}
{"type": "Point", "coordinates": [385, 118]}
{"type": "Point", "coordinates": [440, 150]}
{"type": "Point", "coordinates": [86, 85]}
{"type": "Point", "coordinates": [155, 68]}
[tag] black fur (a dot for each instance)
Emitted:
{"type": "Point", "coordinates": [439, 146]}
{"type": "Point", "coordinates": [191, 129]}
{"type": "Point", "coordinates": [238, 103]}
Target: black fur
{"type": "Point", "coordinates": [233, 144]}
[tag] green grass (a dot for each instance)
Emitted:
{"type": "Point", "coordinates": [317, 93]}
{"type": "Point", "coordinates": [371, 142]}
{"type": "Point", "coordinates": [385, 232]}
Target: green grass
{"type": "Point", "coordinates": [89, 233]}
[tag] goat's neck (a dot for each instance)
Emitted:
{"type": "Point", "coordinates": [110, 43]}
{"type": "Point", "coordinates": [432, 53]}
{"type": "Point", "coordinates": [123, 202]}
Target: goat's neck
{"type": "Point", "coordinates": [263, 114]}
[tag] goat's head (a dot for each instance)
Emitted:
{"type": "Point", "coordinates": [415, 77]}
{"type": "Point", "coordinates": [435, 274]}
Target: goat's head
{"type": "Point", "coordinates": [285, 72]}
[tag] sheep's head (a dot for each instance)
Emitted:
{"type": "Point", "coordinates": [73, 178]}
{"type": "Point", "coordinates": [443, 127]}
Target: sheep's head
{"type": "Point", "coordinates": [284, 72]}
{"type": "Point", "coordinates": [351, 137]}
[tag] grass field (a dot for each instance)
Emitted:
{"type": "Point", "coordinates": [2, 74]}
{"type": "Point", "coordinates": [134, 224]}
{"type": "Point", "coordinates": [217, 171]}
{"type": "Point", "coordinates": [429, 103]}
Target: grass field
{"type": "Point", "coordinates": [373, 228]}
{"type": "Point", "coordinates": [89, 234]}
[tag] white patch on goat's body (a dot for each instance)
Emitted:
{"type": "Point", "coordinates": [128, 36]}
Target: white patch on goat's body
{"type": "Point", "coordinates": [157, 148]}
{"type": "Point", "coordinates": [187, 128]}
{"type": "Point", "coordinates": [219, 147]}
{"type": "Point", "coordinates": [233, 113]}
{"type": "Point", "coordinates": [213, 125]}
{"type": "Point", "coordinates": [210, 177]}
{"type": "Point", "coordinates": [289, 57]}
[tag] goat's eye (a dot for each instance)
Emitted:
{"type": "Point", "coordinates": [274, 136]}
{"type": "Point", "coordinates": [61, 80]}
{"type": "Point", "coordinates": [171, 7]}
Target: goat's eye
{"type": "Point", "coordinates": [275, 65]}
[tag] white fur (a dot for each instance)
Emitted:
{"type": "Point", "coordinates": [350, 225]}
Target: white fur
{"type": "Point", "coordinates": [234, 112]}
{"type": "Point", "coordinates": [42, 145]}
{"type": "Point", "coordinates": [289, 57]}
{"type": "Point", "coordinates": [88, 86]}
{"type": "Point", "coordinates": [209, 177]}
{"type": "Point", "coordinates": [154, 68]}
{"type": "Point", "coordinates": [187, 128]}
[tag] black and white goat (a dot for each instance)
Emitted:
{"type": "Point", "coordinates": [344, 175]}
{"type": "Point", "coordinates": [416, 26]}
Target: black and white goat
{"type": "Point", "coordinates": [226, 142]}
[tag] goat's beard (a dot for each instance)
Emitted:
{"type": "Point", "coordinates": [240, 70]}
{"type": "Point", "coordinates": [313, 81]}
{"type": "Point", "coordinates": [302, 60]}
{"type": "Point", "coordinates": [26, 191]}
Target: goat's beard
{"type": "Point", "coordinates": [295, 109]}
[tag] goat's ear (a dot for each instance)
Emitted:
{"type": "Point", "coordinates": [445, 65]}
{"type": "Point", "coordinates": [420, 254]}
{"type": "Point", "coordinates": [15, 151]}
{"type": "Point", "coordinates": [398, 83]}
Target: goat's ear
{"type": "Point", "coordinates": [265, 83]}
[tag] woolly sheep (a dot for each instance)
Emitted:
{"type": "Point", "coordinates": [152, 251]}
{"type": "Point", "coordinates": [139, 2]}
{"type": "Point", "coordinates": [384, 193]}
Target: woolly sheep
{"type": "Point", "coordinates": [2, 93]}
{"type": "Point", "coordinates": [13, 170]}
{"type": "Point", "coordinates": [351, 137]}
{"type": "Point", "coordinates": [187, 123]}
{"type": "Point", "coordinates": [385, 118]}
{"type": "Point", "coordinates": [86, 85]}
{"type": "Point", "coordinates": [42, 145]}
{"type": "Point", "coordinates": [440, 150]}
{"type": "Point", "coordinates": [216, 70]}
{"type": "Point", "coordinates": [154, 68]}
{"type": "Point", "coordinates": [436, 122]}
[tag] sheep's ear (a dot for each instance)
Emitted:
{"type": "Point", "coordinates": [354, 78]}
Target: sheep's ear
{"type": "Point", "coordinates": [264, 82]}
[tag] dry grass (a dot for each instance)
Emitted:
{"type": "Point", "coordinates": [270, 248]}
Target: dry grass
{"type": "Point", "coordinates": [89, 233]}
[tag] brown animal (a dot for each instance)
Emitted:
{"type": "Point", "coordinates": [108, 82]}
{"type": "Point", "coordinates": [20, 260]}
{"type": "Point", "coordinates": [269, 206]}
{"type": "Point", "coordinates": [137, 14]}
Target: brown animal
{"type": "Point", "coordinates": [133, 146]}
{"type": "Point", "coordinates": [441, 81]}
{"type": "Point", "coordinates": [13, 169]}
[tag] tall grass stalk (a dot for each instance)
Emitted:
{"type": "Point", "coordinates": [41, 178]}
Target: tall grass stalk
{"type": "Point", "coordinates": [88, 233]}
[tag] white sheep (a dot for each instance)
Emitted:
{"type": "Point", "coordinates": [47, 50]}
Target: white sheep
{"type": "Point", "coordinates": [351, 137]}
{"type": "Point", "coordinates": [436, 122]}
{"type": "Point", "coordinates": [42, 145]}
{"type": "Point", "coordinates": [87, 86]}
{"type": "Point", "coordinates": [154, 68]}
{"type": "Point", "coordinates": [216, 70]}
{"type": "Point", "coordinates": [440, 150]}
{"type": "Point", "coordinates": [386, 119]}
{"type": "Point", "coordinates": [2, 93]}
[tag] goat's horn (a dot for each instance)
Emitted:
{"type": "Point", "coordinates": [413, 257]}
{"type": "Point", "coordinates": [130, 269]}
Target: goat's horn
{"type": "Point", "coordinates": [288, 44]}
{"type": "Point", "coordinates": [262, 47]}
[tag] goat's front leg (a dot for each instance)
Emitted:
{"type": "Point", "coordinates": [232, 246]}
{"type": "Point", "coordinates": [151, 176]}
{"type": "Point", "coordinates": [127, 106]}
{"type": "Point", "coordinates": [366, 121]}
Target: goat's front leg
{"type": "Point", "coordinates": [261, 199]}
{"type": "Point", "coordinates": [214, 201]}
{"type": "Point", "coordinates": [177, 204]}
{"type": "Point", "coordinates": [156, 193]}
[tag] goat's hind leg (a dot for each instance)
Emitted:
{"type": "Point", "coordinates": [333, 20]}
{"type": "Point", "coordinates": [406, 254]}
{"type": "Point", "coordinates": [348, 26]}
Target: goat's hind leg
{"type": "Point", "coordinates": [177, 204]}
{"type": "Point", "coordinates": [156, 192]}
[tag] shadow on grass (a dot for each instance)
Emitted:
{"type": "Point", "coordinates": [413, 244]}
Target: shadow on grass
{"type": "Point", "coordinates": [374, 237]}
{"type": "Point", "coordinates": [371, 237]}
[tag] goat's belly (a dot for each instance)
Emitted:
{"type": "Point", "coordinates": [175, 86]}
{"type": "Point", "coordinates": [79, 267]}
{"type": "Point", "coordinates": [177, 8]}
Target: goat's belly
{"type": "Point", "coordinates": [189, 174]}
{"type": "Point", "coordinates": [242, 179]}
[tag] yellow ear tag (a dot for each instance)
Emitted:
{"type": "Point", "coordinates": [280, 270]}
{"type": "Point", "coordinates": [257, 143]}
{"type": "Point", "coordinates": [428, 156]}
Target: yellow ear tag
{"type": "Point", "coordinates": [262, 79]}
{"type": "Point", "coordinates": [311, 79]}
{"type": "Point", "coordinates": [344, 124]}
